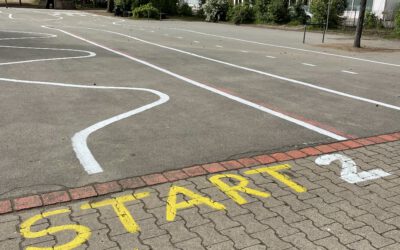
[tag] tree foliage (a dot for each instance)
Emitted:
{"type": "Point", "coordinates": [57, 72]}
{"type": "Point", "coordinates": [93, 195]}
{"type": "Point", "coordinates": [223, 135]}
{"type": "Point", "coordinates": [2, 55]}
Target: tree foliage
{"type": "Point", "coordinates": [215, 10]}
{"type": "Point", "coordinates": [319, 8]}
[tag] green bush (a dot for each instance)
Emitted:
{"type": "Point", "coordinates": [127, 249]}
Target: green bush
{"type": "Point", "coordinates": [278, 11]}
{"type": "Point", "coordinates": [242, 14]}
{"type": "Point", "coordinates": [371, 20]}
{"type": "Point", "coordinates": [261, 8]}
{"type": "Point", "coordinates": [397, 20]}
{"type": "Point", "coordinates": [215, 10]}
{"type": "Point", "coordinates": [185, 10]}
{"type": "Point", "coordinates": [147, 10]}
{"type": "Point", "coordinates": [166, 6]}
{"type": "Point", "coordinates": [297, 14]}
{"type": "Point", "coordinates": [319, 8]}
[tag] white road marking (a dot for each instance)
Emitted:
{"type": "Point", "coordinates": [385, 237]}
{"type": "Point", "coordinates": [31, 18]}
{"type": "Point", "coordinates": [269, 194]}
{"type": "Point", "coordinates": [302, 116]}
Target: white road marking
{"type": "Point", "coordinates": [214, 90]}
{"type": "Point", "coordinates": [152, 31]}
{"type": "Point", "coordinates": [10, 16]}
{"type": "Point", "coordinates": [90, 54]}
{"type": "Point", "coordinates": [309, 64]}
{"type": "Point", "coordinates": [258, 71]}
{"type": "Point", "coordinates": [349, 72]}
{"type": "Point", "coordinates": [79, 140]}
{"type": "Point", "coordinates": [45, 35]}
{"type": "Point", "coordinates": [291, 48]}
{"type": "Point", "coordinates": [244, 51]}
{"type": "Point", "coordinates": [349, 169]}
{"type": "Point", "coordinates": [196, 41]}
{"type": "Point", "coordinates": [179, 37]}
{"type": "Point", "coordinates": [218, 46]}
{"type": "Point", "coordinates": [272, 57]}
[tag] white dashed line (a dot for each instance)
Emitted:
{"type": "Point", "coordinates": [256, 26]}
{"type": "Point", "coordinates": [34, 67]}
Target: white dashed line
{"type": "Point", "coordinates": [350, 72]}
{"type": "Point", "coordinates": [218, 46]}
{"type": "Point", "coordinates": [196, 41]}
{"type": "Point", "coordinates": [179, 37]}
{"type": "Point", "coordinates": [244, 51]}
{"type": "Point", "coordinates": [272, 57]}
{"type": "Point", "coordinates": [309, 64]}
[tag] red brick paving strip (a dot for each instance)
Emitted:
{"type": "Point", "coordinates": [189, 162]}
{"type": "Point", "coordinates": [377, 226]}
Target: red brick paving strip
{"type": "Point", "coordinates": [153, 179]}
{"type": "Point", "coordinates": [55, 197]}
{"type": "Point", "coordinates": [213, 167]}
{"type": "Point", "coordinates": [265, 159]}
{"type": "Point", "coordinates": [230, 165]}
{"type": "Point", "coordinates": [296, 154]}
{"type": "Point", "coordinates": [248, 162]}
{"type": "Point", "coordinates": [107, 188]}
{"type": "Point", "coordinates": [311, 151]}
{"type": "Point", "coordinates": [281, 157]}
{"type": "Point", "coordinates": [5, 207]}
{"type": "Point", "coordinates": [27, 202]}
{"type": "Point", "coordinates": [33, 201]}
{"type": "Point", "coordinates": [132, 183]}
{"type": "Point", "coordinates": [82, 192]}
{"type": "Point", "coordinates": [352, 144]}
{"type": "Point", "coordinates": [194, 171]}
{"type": "Point", "coordinates": [175, 175]}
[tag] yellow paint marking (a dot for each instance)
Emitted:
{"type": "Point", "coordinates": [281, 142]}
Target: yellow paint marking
{"type": "Point", "coordinates": [83, 233]}
{"type": "Point", "coordinates": [196, 199]}
{"type": "Point", "coordinates": [273, 171]}
{"type": "Point", "coordinates": [118, 204]}
{"type": "Point", "coordinates": [233, 191]}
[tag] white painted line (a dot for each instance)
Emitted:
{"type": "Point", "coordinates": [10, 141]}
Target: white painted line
{"type": "Point", "coordinates": [152, 31]}
{"type": "Point", "coordinates": [272, 57]}
{"type": "Point", "coordinates": [218, 46]}
{"type": "Point", "coordinates": [44, 35]}
{"type": "Point", "coordinates": [309, 64]}
{"type": "Point", "coordinates": [259, 72]}
{"type": "Point", "coordinates": [349, 171]}
{"type": "Point", "coordinates": [214, 90]}
{"type": "Point", "coordinates": [349, 72]}
{"type": "Point", "coordinates": [89, 54]}
{"type": "Point", "coordinates": [291, 48]}
{"type": "Point", "coordinates": [244, 51]}
{"type": "Point", "coordinates": [10, 16]}
{"type": "Point", "coordinates": [196, 41]}
{"type": "Point", "coordinates": [79, 140]}
{"type": "Point", "coordinates": [179, 37]}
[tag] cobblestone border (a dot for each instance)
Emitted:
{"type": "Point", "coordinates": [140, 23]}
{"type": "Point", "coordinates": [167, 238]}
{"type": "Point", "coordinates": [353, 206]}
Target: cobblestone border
{"type": "Point", "coordinates": [97, 189]}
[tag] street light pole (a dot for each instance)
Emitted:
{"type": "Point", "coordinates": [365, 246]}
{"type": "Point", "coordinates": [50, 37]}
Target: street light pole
{"type": "Point", "coordinates": [327, 20]}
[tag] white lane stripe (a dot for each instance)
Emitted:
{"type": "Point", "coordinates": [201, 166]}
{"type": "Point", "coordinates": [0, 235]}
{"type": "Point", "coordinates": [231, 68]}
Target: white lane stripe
{"type": "Point", "coordinates": [214, 90]}
{"type": "Point", "coordinates": [309, 64]}
{"type": "Point", "coordinates": [218, 46]}
{"type": "Point", "coordinates": [179, 37]}
{"type": "Point", "coordinates": [79, 140]}
{"type": "Point", "coordinates": [89, 54]}
{"type": "Point", "coordinates": [196, 41]}
{"type": "Point", "coordinates": [350, 72]}
{"type": "Point", "coordinates": [272, 57]}
{"type": "Point", "coordinates": [10, 16]}
{"type": "Point", "coordinates": [291, 48]}
{"type": "Point", "coordinates": [244, 51]}
{"type": "Point", "coordinates": [259, 72]}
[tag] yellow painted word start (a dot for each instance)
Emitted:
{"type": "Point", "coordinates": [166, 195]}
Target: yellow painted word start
{"type": "Point", "coordinates": [233, 191]}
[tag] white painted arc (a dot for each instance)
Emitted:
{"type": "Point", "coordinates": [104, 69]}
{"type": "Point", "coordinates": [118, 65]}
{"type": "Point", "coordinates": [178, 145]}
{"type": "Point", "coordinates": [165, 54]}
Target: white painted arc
{"type": "Point", "coordinates": [291, 48]}
{"type": "Point", "coordinates": [89, 54]}
{"type": "Point", "coordinates": [79, 140]}
{"type": "Point", "coordinates": [29, 37]}
{"type": "Point", "coordinates": [261, 72]}
{"type": "Point", "coordinates": [214, 90]}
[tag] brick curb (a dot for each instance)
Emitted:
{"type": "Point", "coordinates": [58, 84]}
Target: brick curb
{"type": "Point", "coordinates": [97, 189]}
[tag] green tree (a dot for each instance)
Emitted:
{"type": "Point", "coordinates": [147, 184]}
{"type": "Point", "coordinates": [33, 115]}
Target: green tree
{"type": "Point", "coordinates": [215, 9]}
{"type": "Point", "coordinates": [278, 11]}
{"type": "Point", "coordinates": [319, 8]}
{"type": "Point", "coordinates": [261, 7]}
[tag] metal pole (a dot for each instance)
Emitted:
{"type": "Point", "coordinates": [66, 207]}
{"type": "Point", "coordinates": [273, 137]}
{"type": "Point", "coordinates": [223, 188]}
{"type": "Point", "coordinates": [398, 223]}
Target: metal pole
{"type": "Point", "coordinates": [304, 36]}
{"type": "Point", "coordinates": [327, 20]}
{"type": "Point", "coordinates": [6, 4]}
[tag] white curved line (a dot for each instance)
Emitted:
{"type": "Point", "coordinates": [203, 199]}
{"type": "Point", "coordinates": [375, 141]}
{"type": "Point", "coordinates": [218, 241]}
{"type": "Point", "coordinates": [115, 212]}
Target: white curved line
{"type": "Point", "coordinates": [287, 47]}
{"type": "Point", "coordinates": [90, 54]}
{"type": "Point", "coordinates": [26, 37]}
{"type": "Point", "coordinates": [79, 140]}
{"type": "Point", "coordinates": [390, 106]}
{"type": "Point", "coordinates": [214, 90]}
